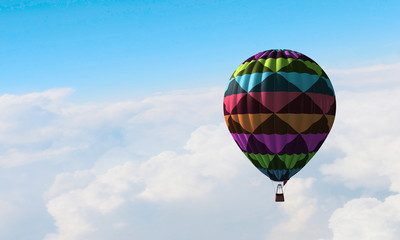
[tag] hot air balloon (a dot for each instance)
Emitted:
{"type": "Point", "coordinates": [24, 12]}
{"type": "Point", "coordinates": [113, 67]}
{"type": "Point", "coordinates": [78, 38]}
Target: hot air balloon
{"type": "Point", "coordinates": [279, 107]}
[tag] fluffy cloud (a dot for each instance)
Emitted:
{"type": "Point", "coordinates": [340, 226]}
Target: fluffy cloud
{"type": "Point", "coordinates": [74, 206]}
{"type": "Point", "coordinates": [303, 214]}
{"type": "Point", "coordinates": [74, 201]}
{"type": "Point", "coordinates": [43, 134]}
{"type": "Point", "coordinates": [367, 218]}
{"type": "Point", "coordinates": [211, 159]}
{"type": "Point", "coordinates": [365, 78]}
{"type": "Point", "coordinates": [368, 138]}
{"type": "Point", "coordinates": [366, 129]}
{"type": "Point", "coordinates": [80, 200]}
{"type": "Point", "coordinates": [43, 126]}
{"type": "Point", "coordinates": [114, 169]}
{"type": "Point", "coordinates": [366, 133]}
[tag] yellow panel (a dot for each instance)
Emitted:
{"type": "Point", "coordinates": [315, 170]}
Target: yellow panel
{"type": "Point", "coordinates": [330, 118]}
{"type": "Point", "coordinates": [300, 122]}
{"type": "Point", "coordinates": [250, 121]}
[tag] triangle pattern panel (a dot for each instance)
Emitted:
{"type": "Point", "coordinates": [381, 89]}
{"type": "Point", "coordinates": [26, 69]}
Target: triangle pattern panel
{"type": "Point", "coordinates": [248, 81]}
{"type": "Point", "coordinates": [247, 104]}
{"type": "Point", "coordinates": [241, 139]}
{"type": "Point", "coordinates": [276, 63]}
{"type": "Point", "coordinates": [232, 100]}
{"type": "Point", "coordinates": [277, 163]}
{"type": "Point", "coordinates": [255, 146]}
{"type": "Point", "coordinates": [321, 126]}
{"type": "Point", "coordinates": [278, 175]}
{"type": "Point", "coordinates": [331, 119]}
{"type": "Point", "coordinates": [250, 121]}
{"type": "Point", "coordinates": [234, 88]}
{"type": "Point", "coordinates": [318, 146]}
{"type": "Point", "coordinates": [332, 110]}
{"type": "Point", "coordinates": [297, 146]}
{"type": "Point", "coordinates": [293, 171]}
{"type": "Point", "coordinates": [235, 127]}
{"type": "Point", "coordinates": [274, 125]}
{"type": "Point", "coordinates": [225, 111]}
{"type": "Point", "coordinates": [321, 86]}
{"type": "Point", "coordinates": [298, 121]}
{"type": "Point", "coordinates": [263, 159]}
{"type": "Point", "coordinates": [312, 140]}
{"type": "Point", "coordinates": [274, 100]}
{"type": "Point", "coordinates": [255, 161]}
{"type": "Point", "coordinates": [275, 83]}
{"type": "Point", "coordinates": [301, 163]}
{"type": "Point", "coordinates": [302, 81]}
{"type": "Point", "coordinates": [242, 67]}
{"type": "Point", "coordinates": [302, 104]}
{"type": "Point", "coordinates": [254, 67]}
{"type": "Point", "coordinates": [232, 76]}
{"type": "Point", "coordinates": [275, 142]}
{"type": "Point", "coordinates": [292, 160]}
{"type": "Point", "coordinates": [323, 101]}
{"type": "Point", "coordinates": [323, 74]}
{"type": "Point", "coordinates": [299, 67]}
{"type": "Point", "coordinates": [314, 66]}
{"type": "Point", "coordinates": [328, 82]}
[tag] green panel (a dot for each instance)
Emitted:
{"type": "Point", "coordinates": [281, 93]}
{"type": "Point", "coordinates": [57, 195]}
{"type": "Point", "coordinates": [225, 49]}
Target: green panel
{"type": "Point", "coordinates": [276, 161]}
{"type": "Point", "coordinates": [275, 65]}
{"type": "Point", "coordinates": [242, 67]}
{"type": "Point", "coordinates": [313, 66]}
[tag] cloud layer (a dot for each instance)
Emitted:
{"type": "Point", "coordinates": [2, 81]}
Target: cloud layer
{"type": "Point", "coordinates": [104, 170]}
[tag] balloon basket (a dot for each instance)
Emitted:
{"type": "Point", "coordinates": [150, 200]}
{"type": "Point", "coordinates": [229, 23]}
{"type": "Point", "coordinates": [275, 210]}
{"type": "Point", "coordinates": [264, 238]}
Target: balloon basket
{"type": "Point", "coordinates": [279, 197]}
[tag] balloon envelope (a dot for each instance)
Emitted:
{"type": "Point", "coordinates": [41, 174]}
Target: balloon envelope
{"type": "Point", "coordinates": [279, 107]}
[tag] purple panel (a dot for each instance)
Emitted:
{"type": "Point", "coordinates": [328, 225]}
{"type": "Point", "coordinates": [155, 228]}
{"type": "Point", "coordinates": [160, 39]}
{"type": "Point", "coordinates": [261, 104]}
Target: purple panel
{"type": "Point", "coordinates": [312, 140]}
{"type": "Point", "coordinates": [297, 146]}
{"type": "Point", "coordinates": [241, 139]}
{"type": "Point", "coordinates": [278, 54]}
{"type": "Point", "coordinates": [255, 146]}
{"type": "Point", "coordinates": [275, 142]}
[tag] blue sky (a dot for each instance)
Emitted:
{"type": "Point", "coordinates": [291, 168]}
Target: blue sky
{"type": "Point", "coordinates": [111, 121]}
{"type": "Point", "coordinates": [126, 48]}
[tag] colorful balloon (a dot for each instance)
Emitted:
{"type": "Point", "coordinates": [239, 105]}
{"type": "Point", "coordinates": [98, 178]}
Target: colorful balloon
{"type": "Point", "coordinates": [279, 106]}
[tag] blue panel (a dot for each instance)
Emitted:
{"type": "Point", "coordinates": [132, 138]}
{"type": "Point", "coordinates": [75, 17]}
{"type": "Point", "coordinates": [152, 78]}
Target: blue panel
{"type": "Point", "coordinates": [279, 175]}
{"type": "Point", "coordinates": [301, 80]}
{"type": "Point", "coordinates": [249, 81]}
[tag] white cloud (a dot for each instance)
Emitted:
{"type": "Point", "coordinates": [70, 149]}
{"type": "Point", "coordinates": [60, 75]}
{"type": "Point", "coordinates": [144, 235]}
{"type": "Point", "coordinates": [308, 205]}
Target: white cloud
{"type": "Point", "coordinates": [76, 199]}
{"type": "Point", "coordinates": [378, 76]}
{"type": "Point", "coordinates": [44, 126]}
{"type": "Point", "coordinates": [75, 210]}
{"type": "Point", "coordinates": [125, 158]}
{"type": "Point", "coordinates": [367, 218]}
{"type": "Point", "coordinates": [211, 159]}
{"type": "Point", "coordinates": [197, 106]}
{"type": "Point", "coordinates": [101, 147]}
{"type": "Point", "coordinates": [366, 131]}
{"type": "Point", "coordinates": [302, 213]}
{"type": "Point", "coordinates": [8, 213]}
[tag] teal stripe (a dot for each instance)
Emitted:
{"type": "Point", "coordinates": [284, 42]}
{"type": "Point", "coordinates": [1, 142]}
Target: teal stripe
{"type": "Point", "coordinates": [249, 81]}
{"type": "Point", "coordinates": [229, 82]}
{"type": "Point", "coordinates": [329, 83]}
{"type": "Point", "coordinates": [301, 80]}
